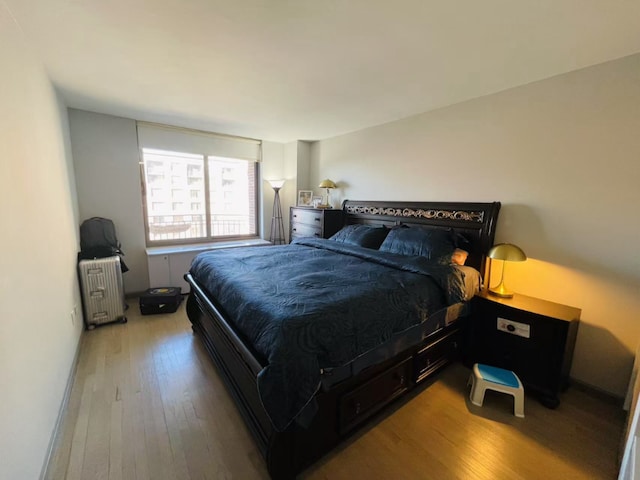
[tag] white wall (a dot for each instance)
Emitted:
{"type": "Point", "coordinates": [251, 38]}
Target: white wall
{"type": "Point", "coordinates": [39, 241]}
{"type": "Point", "coordinates": [106, 160]}
{"type": "Point", "coordinates": [563, 156]}
{"type": "Point", "coordinates": [295, 169]}
{"type": "Point", "coordinates": [303, 163]}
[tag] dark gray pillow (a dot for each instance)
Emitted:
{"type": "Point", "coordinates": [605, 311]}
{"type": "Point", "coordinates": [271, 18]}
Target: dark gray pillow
{"type": "Point", "coordinates": [362, 235]}
{"type": "Point", "coordinates": [436, 244]}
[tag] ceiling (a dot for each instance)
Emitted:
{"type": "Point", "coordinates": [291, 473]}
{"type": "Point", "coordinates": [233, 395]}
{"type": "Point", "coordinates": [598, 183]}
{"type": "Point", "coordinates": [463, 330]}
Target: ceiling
{"type": "Point", "coordinates": [285, 70]}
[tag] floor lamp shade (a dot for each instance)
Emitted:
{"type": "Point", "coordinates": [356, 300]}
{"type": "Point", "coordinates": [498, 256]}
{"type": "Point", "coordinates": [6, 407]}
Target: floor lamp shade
{"type": "Point", "coordinates": [507, 252]}
{"type": "Point", "coordinates": [276, 236]}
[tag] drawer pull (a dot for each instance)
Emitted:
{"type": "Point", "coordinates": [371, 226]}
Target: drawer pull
{"type": "Point", "coordinates": [400, 377]}
{"type": "Point", "coordinates": [358, 408]}
{"type": "Point", "coordinates": [318, 219]}
{"type": "Point", "coordinates": [316, 234]}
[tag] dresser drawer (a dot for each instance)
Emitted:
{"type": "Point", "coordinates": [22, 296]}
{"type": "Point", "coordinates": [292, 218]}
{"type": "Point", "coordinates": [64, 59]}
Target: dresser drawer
{"type": "Point", "coordinates": [436, 355]}
{"type": "Point", "coordinates": [307, 217]}
{"type": "Point", "coordinates": [314, 222]}
{"type": "Point", "coordinates": [302, 230]}
{"type": "Point", "coordinates": [359, 404]}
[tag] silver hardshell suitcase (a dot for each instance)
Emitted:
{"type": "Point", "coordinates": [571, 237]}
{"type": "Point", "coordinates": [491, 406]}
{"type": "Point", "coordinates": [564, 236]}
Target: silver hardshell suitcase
{"type": "Point", "coordinates": [102, 291]}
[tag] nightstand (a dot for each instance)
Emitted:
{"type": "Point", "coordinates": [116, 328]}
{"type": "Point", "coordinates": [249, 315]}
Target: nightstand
{"type": "Point", "coordinates": [532, 337]}
{"type": "Point", "coordinates": [314, 222]}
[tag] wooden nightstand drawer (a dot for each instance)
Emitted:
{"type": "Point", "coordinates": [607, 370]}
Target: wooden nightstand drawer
{"type": "Point", "coordinates": [516, 352]}
{"type": "Point", "coordinates": [359, 404]}
{"type": "Point", "coordinates": [532, 337]}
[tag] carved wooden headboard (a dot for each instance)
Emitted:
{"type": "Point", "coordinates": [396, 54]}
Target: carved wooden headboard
{"type": "Point", "coordinates": [475, 221]}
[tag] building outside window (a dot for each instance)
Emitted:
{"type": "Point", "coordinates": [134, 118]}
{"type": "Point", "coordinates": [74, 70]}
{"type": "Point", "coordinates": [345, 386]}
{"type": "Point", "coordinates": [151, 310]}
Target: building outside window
{"type": "Point", "coordinates": [225, 190]}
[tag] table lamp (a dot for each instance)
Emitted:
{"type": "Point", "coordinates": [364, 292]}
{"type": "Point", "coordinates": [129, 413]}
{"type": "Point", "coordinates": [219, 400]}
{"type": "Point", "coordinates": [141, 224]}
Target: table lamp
{"type": "Point", "coordinates": [328, 185]}
{"type": "Point", "coordinates": [507, 252]}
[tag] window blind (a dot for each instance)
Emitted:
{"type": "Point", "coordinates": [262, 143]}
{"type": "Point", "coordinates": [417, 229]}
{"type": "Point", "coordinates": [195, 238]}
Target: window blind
{"type": "Point", "coordinates": [175, 139]}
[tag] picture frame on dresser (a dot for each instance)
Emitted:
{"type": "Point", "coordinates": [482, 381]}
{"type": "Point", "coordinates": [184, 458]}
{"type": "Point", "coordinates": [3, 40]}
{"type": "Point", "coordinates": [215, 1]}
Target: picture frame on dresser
{"type": "Point", "coordinates": [305, 198]}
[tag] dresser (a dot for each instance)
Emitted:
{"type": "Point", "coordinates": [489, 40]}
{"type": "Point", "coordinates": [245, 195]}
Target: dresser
{"type": "Point", "coordinates": [530, 336]}
{"type": "Point", "coordinates": [314, 222]}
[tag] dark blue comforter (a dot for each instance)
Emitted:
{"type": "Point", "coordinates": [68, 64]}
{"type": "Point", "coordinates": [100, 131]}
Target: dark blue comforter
{"type": "Point", "coordinates": [317, 304]}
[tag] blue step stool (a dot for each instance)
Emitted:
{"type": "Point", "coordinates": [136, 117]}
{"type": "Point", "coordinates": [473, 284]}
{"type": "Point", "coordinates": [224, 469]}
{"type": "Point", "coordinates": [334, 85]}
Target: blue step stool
{"type": "Point", "coordinates": [486, 377]}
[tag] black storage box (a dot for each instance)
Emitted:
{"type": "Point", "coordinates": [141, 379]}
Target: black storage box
{"type": "Point", "coordinates": [160, 300]}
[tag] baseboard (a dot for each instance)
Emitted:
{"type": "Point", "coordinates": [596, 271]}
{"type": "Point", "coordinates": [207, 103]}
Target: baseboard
{"type": "Point", "coordinates": [598, 392]}
{"type": "Point", "coordinates": [133, 295]}
{"type": "Point", "coordinates": [53, 441]}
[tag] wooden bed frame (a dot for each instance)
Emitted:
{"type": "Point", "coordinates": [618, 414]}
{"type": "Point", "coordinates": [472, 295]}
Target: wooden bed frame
{"type": "Point", "coordinates": [346, 405]}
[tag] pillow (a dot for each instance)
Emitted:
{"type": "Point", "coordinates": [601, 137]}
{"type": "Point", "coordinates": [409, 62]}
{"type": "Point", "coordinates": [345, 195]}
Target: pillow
{"type": "Point", "coordinates": [459, 256]}
{"type": "Point", "coordinates": [361, 235]}
{"type": "Point", "coordinates": [436, 244]}
{"type": "Point", "coordinates": [472, 280]}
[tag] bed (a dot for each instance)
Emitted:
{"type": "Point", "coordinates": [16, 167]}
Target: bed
{"type": "Point", "coordinates": [315, 337]}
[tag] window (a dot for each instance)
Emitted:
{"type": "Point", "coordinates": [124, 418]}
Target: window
{"type": "Point", "coordinates": [229, 184]}
{"type": "Point", "coordinates": [198, 186]}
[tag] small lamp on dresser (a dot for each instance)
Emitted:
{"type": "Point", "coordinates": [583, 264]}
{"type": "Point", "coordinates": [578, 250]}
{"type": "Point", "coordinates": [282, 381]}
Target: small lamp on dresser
{"type": "Point", "coordinates": [328, 185]}
{"type": "Point", "coordinates": [507, 252]}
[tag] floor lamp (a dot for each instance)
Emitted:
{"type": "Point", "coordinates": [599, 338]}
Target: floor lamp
{"type": "Point", "coordinates": [277, 227]}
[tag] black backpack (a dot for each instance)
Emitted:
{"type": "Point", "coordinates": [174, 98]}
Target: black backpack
{"type": "Point", "coordinates": [98, 239]}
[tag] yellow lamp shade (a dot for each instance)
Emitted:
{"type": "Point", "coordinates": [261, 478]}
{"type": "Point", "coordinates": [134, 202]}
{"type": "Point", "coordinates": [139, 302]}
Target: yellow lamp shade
{"type": "Point", "coordinates": [327, 184]}
{"type": "Point", "coordinates": [507, 252]}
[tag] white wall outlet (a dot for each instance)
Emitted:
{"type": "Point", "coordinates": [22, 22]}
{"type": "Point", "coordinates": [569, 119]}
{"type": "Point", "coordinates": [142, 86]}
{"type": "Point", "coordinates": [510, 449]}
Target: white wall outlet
{"type": "Point", "coordinates": [514, 328]}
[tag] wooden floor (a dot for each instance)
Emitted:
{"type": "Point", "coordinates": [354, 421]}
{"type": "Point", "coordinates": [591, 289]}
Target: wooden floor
{"type": "Point", "coordinates": [147, 403]}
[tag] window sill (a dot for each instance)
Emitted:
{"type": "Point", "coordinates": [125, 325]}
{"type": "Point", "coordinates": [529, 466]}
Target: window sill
{"type": "Point", "coordinates": [203, 247]}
